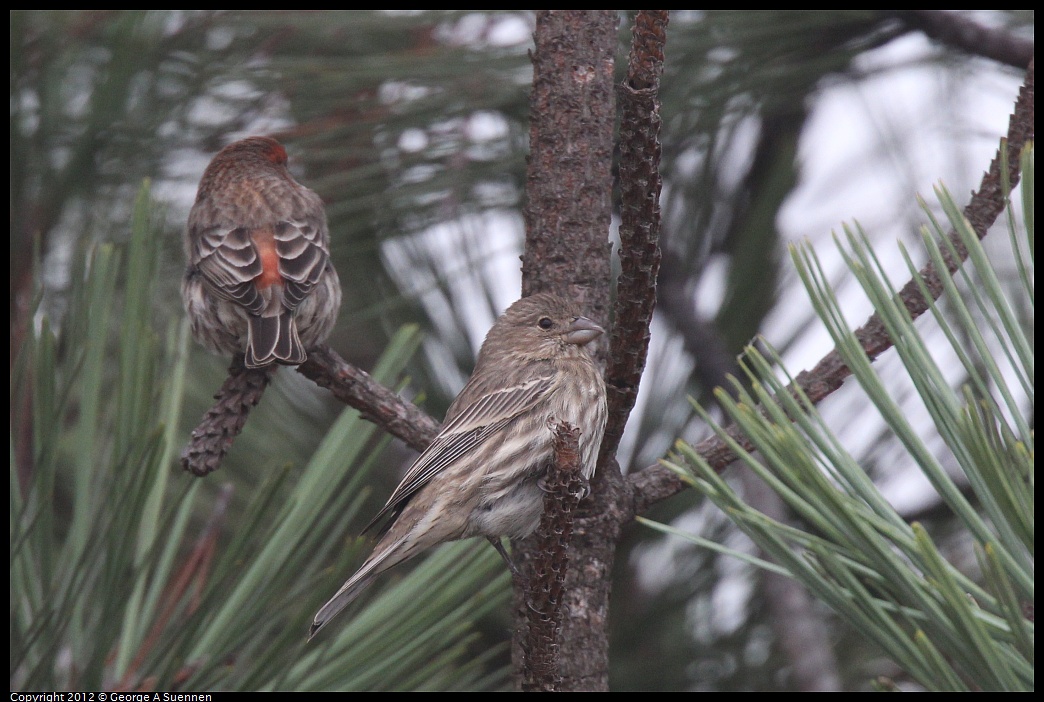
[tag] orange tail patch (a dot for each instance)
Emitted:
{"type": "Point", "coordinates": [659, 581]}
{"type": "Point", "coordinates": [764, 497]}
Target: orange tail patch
{"type": "Point", "coordinates": [264, 240]}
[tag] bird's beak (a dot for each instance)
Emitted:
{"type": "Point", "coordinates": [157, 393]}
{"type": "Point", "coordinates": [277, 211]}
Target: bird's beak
{"type": "Point", "coordinates": [582, 331]}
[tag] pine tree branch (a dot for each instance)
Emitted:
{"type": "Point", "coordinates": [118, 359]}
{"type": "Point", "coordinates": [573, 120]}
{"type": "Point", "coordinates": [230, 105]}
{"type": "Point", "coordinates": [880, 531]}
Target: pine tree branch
{"type": "Point", "coordinates": [656, 483]}
{"type": "Point", "coordinates": [957, 29]}
{"type": "Point", "coordinates": [640, 185]}
{"type": "Point", "coordinates": [378, 404]}
{"type": "Point", "coordinates": [222, 423]}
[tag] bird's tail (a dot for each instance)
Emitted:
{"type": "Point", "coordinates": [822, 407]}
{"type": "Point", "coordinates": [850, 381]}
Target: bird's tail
{"type": "Point", "coordinates": [348, 592]}
{"type": "Point", "coordinates": [273, 340]}
{"type": "Point", "coordinates": [385, 555]}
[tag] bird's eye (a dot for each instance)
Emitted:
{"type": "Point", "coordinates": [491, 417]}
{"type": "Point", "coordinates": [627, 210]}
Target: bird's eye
{"type": "Point", "coordinates": [545, 323]}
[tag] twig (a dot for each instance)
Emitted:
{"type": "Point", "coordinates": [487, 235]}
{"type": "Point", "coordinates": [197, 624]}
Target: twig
{"type": "Point", "coordinates": [378, 404]}
{"type": "Point", "coordinates": [243, 388]}
{"type": "Point", "coordinates": [960, 31]}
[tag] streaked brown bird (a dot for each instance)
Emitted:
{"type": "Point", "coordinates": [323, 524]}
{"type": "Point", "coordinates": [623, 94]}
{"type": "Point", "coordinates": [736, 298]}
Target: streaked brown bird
{"type": "Point", "coordinates": [259, 279]}
{"type": "Point", "coordinates": [481, 474]}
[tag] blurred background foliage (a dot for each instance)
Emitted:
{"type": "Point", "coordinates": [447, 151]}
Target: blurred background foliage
{"type": "Point", "coordinates": [412, 126]}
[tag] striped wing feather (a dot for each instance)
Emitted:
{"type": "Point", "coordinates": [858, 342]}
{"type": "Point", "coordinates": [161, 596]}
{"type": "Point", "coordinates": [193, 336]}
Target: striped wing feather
{"type": "Point", "coordinates": [463, 434]}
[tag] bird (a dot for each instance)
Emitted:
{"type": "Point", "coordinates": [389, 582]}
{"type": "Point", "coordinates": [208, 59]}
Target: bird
{"type": "Point", "coordinates": [259, 280]}
{"type": "Point", "coordinates": [481, 474]}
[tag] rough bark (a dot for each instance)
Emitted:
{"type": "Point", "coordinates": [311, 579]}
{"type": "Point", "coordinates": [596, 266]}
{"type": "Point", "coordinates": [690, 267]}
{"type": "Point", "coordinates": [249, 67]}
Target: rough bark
{"type": "Point", "coordinates": [567, 214]}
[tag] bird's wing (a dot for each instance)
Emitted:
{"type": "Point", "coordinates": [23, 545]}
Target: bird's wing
{"type": "Point", "coordinates": [229, 261]}
{"type": "Point", "coordinates": [466, 432]}
{"type": "Point", "coordinates": [302, 257]}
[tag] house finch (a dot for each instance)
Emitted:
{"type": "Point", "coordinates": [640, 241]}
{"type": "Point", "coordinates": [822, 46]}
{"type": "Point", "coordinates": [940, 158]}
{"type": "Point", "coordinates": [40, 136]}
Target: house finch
{"type": "Point", "coordinates": [480, 476]}
{"type": "Point", "coordinates": [259, 278]}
